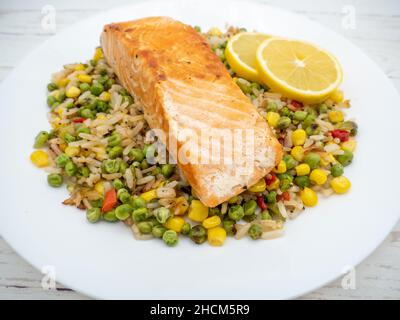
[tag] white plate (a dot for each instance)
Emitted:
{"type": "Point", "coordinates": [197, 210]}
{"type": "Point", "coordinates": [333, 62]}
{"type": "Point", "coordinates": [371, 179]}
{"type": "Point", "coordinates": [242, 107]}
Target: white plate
{"type": "Point", "coordinates": [104, 260]}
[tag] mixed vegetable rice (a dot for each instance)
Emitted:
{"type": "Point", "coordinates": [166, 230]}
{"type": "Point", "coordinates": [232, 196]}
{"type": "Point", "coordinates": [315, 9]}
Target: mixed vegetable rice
{"type": "Point", "coordinates": [99, 149]}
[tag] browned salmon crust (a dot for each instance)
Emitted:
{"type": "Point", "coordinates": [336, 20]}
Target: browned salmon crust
{"type": "Point", "coordinates": [182, 84]}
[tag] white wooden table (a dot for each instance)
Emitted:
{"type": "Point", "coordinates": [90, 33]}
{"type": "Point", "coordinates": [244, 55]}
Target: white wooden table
{"type": "Point", "coordinates": [376, 31]}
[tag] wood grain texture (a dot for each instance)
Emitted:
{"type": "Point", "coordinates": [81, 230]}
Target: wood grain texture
{"type": "Point", "coordinates": [376, 32]}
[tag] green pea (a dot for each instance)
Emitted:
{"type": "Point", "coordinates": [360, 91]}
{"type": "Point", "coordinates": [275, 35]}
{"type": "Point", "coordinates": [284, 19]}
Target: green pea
{"type": "Point", "coordinates": [123, 211]}
{"type": "Point", "coordinates": [272, 107]}
{"type": "Point", "coordinates": [244, 85]}
{"type": "Point", "coordinates": [186, 228]}
{"type": "Point", "coordinates": [214, 212]}
{"type": "Point", "coordinates": [69, 105]}
{"type": "Point", "coordinates": [115, 152]}
{"type": "Point", "coordinates": [285, 176]}
{"type": "Point", "coordinates": [167, 170]}
{"type": "Point", "coordinates": [96, 89]}
{"type": "Point", "coordinates": [255, 231]}
{"type": "Point", "coordinates": [198, 234]}
{"type": "Point", "coordinates": [349, 126]}
{"type": "Point", "coordinates": [84, 87]}
{"type": "Point", "coordinates": [145, 227]}
{"type": "Point", "coordinates": [162, 214]}
{"type": "Point", "coordinates": [236, 212]}
{"type": "Point", "coordinates": [284, 123]}
{"type": "Point", "coordinates": [110, 216]}
{"type": "Point", "coordinates": [40, 139]}
{"type": "Point", "coordinates": [265, 215]}
{"type": "Point", "coordinates": [300, 115]}
{"type": "Point", "coordinates": [55, 105]}
{"type": "Point", "coordinates": [156, 171]}
{"type": "Point", "coordinates": [123, 196]}
{"type": "Point", "coordinates": [309, 120]}
{"type": "Point", "coordinates": [55, 180]}
{"type": "Point", "coordinates": [102, 79]}
{"type": "Point", "coordinates": [197, 28]}
{"type": "Point", "coordinates": [313, 129]}
{"type": "Point", "coordinates": [250, 218]}
{"type": "Point", "coordinates": [122, 167]}
{"type": "Point", "coordinates": [111, 166]}
{"type": "Point", "coordinates": [52, 86]}
{"type": "Point", "coordinates": [249, 207]}
{"type": "Point", "coordinates": [69, 137]}
{"type": "Point", "coordinates": [158, 231]}
{"type": "Point", "coordinates": [117, 184]}
{"type": "Point", "coordinates": [271, 197]}
{"type": "Point", "coordinates": [102, 106]}
{"type": "Point", "coordinates": [51, 100]}
{"type": "Point", "coordinates": [82, 129]}
{"type": "Point", "coordinates": [71, 169]}
{"type": "Point", "coordinates": [93, 214]}
{"type": "Point", "coordinates": [285, 184]}
{"type": "Point", "coordinates": [136, 154]}
{"type": "Point", "coordinates": [84, 172]}
{"type": "Point", "coordinates": [285, 112]}
{"type": "Point", "coordinates": [140, 214]}
{"type": "Point", "coordinates": [346, 158]}
{"type": "Point", "coordinates": [337, 170]}
{"type": "Point", "coordinates": [302, 181]}
{"type": "Point", "coordinates": [98, 203]}
{"type": "Point", "coordinates": [86, 113]}
{"type": "Point", "coordinates": [144, 165]}
{"type": "Point", "coordinates": [103, 72]}
{"type": "Point", "coordinates": [114, 140]}
{"type": "Point", "coordinates": [290, 161]}
{"type": "Point", "coordinates": [170, 238]}
{"type": "Point", "coordinates": [138, 202]}
{"type": "Point", "coordinates": [323, 108]}
{"type": "Point", "coordinates": [274, 211]}
{"type": "Point", "coordinates": [229, 226]}
{"type": "Point", "coordinates": [233, 200]}
{"type": "Point", "coordinates": [312, 159]}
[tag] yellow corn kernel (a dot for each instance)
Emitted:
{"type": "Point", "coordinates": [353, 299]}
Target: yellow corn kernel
{"type": "Point", "coordinates": [299, 137]}
{"type": "Point", "coordinates": [349, 145]}
{"type": "Point", "coordinates": [327, 158]}
{"type": "Point", "coordinates": [62, 82]}
{"type": "Point", "coordinates": [73, 92]}
{"type": "Point", "coordinates": [337, 96]}
{"type": "Point", "coordinates": [55, 123]}
{"type": "Point", "coordinates": [318, 176]}
{"type": "Point", "coordinates": [302, 169]}
{"type": "Point", "coordinates": [84, 78]}
{"type": "Point", "coordinates": [149, 195]}
{"type": "Point", "coordinates": [98, 54]}
{"type": "Point", "coordinates": [197, 211]}
{"type": "Point", "coordinates": [63, 146]}
{"type": "Point", "coordinates": [212, 222]}
{"type": "Point", "coordinates": [101, 117]}
{"type": "Point", "coordinates": [79, 67]}
{"type": "Point", "coordinates": [60, 111]}
{"type": "Point", "coordinates": [273, 118]}
{"type": "Point", "coordinates": [214, 32]}
{"type": "Point", "coordinates": [99, 187]}
{"type": "Point", "coordinates": [274, 185]}
{"type": "Point", "coordinates": [260, 186]}
{"type": "Point", "coordinates": [100, 153]}
{"type": "Point", "coordinates": [336, 116]}
{"type": "Point", "coordinates": [175, 223]}
{"type": "Point", "coordinates": [40, 158]}
{"type": "Point", "coordinates": [72, 151]}
{"type": "Point", "coordinates": [105, 96]}
{"type": "Point", "coordinates": [85, 152]}
{"type": "Point", "coordinates": [297, 153]}
{"type": "Point", "coordinates": [216, 236]}
{"type": "Point", "coordinates": [309, 197]}
{"type": "Point", "coordinates": [340, 184]}
{"type": "Point", "coordinates": [281, 168]}
{"type": "Point", "coordinates": [55, 94]}
{"type": "Point", "coordinates": [181, 206]}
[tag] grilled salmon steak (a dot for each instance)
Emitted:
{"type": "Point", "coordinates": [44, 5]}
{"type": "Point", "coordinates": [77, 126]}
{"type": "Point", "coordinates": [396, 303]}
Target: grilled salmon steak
{"type": "Point", "coordinates": [220, 142]}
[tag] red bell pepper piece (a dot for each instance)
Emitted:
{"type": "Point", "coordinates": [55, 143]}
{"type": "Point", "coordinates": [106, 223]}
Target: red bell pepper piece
{"type": "Point", "coordinates": [342, 135]}
{"type": "Point", "coordinates": [78, 120]}
{"type": "Point", "coordinates": [261, 203]}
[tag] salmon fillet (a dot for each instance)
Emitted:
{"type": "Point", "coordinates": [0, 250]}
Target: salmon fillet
{"type": "Point", "coordinates": [187, 93]}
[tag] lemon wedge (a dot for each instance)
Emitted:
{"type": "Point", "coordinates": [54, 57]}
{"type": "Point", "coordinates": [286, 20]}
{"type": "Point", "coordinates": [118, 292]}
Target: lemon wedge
{"type": "Point", "coordinates": [241, 51]}
{"type": "Point", "coordinates": [297, 69]}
